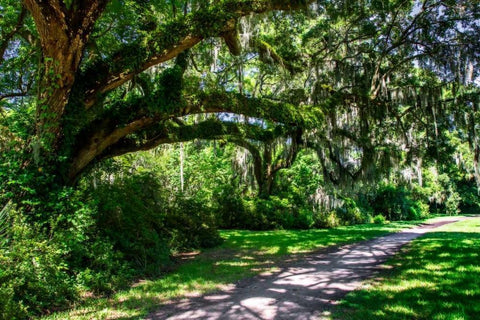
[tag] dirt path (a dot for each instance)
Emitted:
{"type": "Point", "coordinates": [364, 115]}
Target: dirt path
{"type": "Point", "coordinates": [305, 289]}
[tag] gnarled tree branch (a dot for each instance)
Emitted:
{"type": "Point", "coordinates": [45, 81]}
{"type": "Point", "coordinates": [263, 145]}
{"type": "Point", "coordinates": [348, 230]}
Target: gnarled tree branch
{"type": "Point", "coordinates": [187, 31]}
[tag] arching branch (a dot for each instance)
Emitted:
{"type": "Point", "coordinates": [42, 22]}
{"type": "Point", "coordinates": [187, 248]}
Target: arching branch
{"type": "Point", "coordinates": [186, 32]}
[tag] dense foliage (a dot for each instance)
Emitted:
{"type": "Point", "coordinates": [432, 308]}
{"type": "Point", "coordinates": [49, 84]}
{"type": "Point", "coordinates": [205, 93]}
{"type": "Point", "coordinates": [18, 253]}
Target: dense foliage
{"type": "Point", "coordinates": [258, 114]}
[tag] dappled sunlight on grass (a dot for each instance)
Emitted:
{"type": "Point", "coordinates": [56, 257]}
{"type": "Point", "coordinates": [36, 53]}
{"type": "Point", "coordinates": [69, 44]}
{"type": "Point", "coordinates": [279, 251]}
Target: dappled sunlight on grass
{"type": "Point", "coordinates": [243, 254]}
{"type": "Point", "coordinates": [437, 278]}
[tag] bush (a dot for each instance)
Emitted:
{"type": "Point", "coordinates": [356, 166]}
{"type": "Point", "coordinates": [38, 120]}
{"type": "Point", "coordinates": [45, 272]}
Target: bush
{"type": "Point", "coordinates": [145, 222]}
{"type": "Point", "coordinates": [305, 219]}
{"type": "Point", "coordinates": [130, 213]}
{"type": "Point", "coordinates": [95, 240]}
{"type": "Point", "coordinates": [379, 219]}
{"type": "Point", "coordinates": [34, 274]}
{"type": "Point", "coordinates": [261, 214]}
{"type": "Point", "coordinates": [350, 213]}
{"type": "Point", "coordinates": [44, 265]}
{"type": "Point", "coordinates": [279, 211]}
{"type": "Point", "coordinates": [368, 218]}
{"type": "Point", "coordinates": [453, 202]}
{"type": "Point", "coordinates": [470, 201]}
{"type": "Point", "coordinates": [327, 220]}
{"type": "Point", "coordinates": [189, 225]}
{"type": "Point", "coordinates": [104, 269]}
{"type": "Point", "coordinates": [396, 203]}
{"type": "Point", "coordinates": [418, 210]}
{"type": "Point", "coordinates": [234, 212]}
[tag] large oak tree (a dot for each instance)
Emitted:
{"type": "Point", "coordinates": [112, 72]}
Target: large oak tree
{"type": "Point", "coordinates": [354, 60]}
{"type": "Point", "coordinates": [75, 84]}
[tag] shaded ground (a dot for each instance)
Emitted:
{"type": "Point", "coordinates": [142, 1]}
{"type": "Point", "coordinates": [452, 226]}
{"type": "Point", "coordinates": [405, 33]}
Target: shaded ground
{"type": "Point", "coordinates": [305, 289]}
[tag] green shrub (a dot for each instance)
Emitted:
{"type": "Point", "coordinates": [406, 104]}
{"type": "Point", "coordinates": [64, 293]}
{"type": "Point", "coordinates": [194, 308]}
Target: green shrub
{"type": "Point", "coordinates": [9, 307]}
{"type": "Point", "coordinates": [418, 210]}
{"type": "Point", "coordinates": [327, 220]}
{"type": "Point", "coordinates": [368, 218]}
{"type": "Point", "coordinates": [145, 222]}
{"type": "Point", "coordinates": [305, 219]}
{"type": "Point", "coordinates": [470, 201]}
{"type": "Point", "coordinates": [350, 213]}
{"type": "Point", "coordinates": [190, 225]}
{"type": "Point", "coordinates": [453, 203]}
{"type": "Point", "coordinates": [279, 211]}
{"type": "Point", "coordinates": [256, 215]}
{"type": "Point", "coordinates": [104, 269]}
{"type": "Point", "coordinates": [379, 219]}
{"type": "Point", "coordinates": [34, 274]}
{"type": "Point", "coordinates": [130, 213]}
{"type": "Point", "coordinates": [44, 265]}
{"type": "Point", "coordinates": [262, 214]}
{"type": "Point", "coordinates": [396, 203]}
{"type": "Point", "coordinates": [235, 211]}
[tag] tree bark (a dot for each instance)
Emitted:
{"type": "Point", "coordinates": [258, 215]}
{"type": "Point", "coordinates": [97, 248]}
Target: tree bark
{"type": "Point", "coordinates": [63, 35]}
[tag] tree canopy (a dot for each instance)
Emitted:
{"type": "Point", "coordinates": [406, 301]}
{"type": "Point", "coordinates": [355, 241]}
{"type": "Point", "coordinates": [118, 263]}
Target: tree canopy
{"type": "Point", "coordinates": [109, 77]}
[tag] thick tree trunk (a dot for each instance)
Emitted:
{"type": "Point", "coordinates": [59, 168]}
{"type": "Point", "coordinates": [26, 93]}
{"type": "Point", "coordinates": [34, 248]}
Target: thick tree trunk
{"type": "Point", "coordinates": [63, 35]}
{"type": "Point", "coordinates": [265, 186]}
{"type": "Point", "coordinates": [56, 86]}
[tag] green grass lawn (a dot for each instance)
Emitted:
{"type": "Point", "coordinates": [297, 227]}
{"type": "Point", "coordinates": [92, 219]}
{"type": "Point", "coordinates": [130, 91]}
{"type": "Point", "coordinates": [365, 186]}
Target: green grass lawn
{"type": "Point", "coordinates": [243, 254]}
{"type": "Point", "coordinates": [437, 277]}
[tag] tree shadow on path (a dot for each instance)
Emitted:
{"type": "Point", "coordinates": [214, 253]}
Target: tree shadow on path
{"type": "Point", "coordinates": [303, 289]}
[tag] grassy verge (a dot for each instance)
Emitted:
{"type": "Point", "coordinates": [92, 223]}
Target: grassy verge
{"type": "Point", "coordinates": [437, 278]}
{"type": "Point", "coordinates": [243, 254]}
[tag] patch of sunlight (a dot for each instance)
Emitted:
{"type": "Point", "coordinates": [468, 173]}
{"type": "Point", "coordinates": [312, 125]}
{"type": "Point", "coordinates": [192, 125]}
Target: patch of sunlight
{"type": "Point", "coordinates": [409, 284]}
{"type": "Point", "coordinates": [422, 303]}
{"type": "Point", "coordinates": [444, 255]}
{"type": "Point", "coordinates": [468, 242]}
{"type": "Point", "coordinates": [268, 250]}
{"type": "Point", "coordinates": [403, 310]}
{"type": "Point", "coordinates": [379, 313]}
{"type": "Point", "coordinates": [469, 292]}
{"type": "Point", "coordinates": [247, 257]}
{"type": "Point", "coordinates": [106, 313]}
{"type": "Point", "coordinates": [234, 263]}
{"type": "Point", "coordinates": [472, 268]}
{"type": "Point", "coordinates": [461, 269]}
{"type": "Point", "coordinates": [115, 314]}
{"type": "Point", "coordinates": [429, 246]}
{"type": "Point", "coordinates": [450, 316]}
{"type": "Point", "coordinates": [434, 266]}
{"type": "Point", "coordinates": [422, 272]}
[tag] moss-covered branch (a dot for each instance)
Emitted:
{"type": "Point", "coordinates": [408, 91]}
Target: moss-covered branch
{"type": "Point", "coordinates": [308, 117]}
{"type": "Point", "coordinates": [150, 112]}
{"type": "Point", "coordinates": [173, 38]}
{"type": "Point", "coordinates": [175, 132]}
